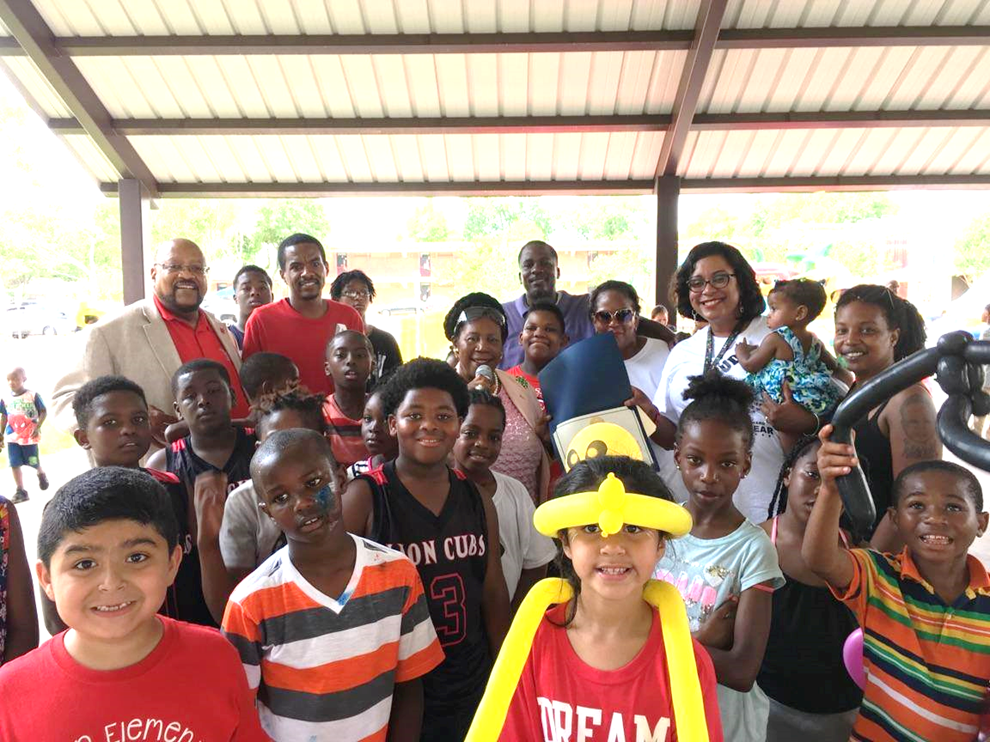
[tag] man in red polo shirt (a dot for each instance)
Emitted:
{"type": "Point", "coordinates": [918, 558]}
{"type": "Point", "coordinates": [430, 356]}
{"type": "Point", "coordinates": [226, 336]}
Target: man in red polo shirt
{"type": "Point", "coordinates": [301, 326]}
{"type": "Point", "coordinates": [148, 340]}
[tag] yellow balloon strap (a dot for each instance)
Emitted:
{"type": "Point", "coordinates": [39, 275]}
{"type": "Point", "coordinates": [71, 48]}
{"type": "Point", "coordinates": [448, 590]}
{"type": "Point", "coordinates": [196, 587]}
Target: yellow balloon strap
{"type": "Point", "coordinates": [685, 688]}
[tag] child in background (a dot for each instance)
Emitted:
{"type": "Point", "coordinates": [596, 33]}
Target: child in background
{"type": "Point", "coordinates": [809, 627]}
{"type": "Point", "coordinates": [252, 289]}
{"type": "Point", "coordinates": [726, 565]}
{"type": "Point", "coordinates": [381, 444]}
{"type": "Point", "coordinates": [349, 357]}
{"type": "Point", "coordinates": [248, 536]}
{"type": "Point", "coordinates": [264, 374]}
{"type": "Point", "coordinates": [18, 616]}
{"type": "Point", "coordinates": [113, 424]}
{"type": "Point", "coordinates": [21, 417]}
{"type": "Point", "coordinates": [598, 662]}
{"type": "Point", "coordinates": [525, 551]}
{"type": "Point", "coordinates": [436, 517]}
{"type": "Point", "coordinates": [108, 550]}
{"type": "Point", "coordinates": [925, 612]}
{"type": "Point", "coordinates": [542, 338]}
{"type": "Point", "coordinates": [792, 353]}
{"type": "Point", "coordinates": [333, 630]}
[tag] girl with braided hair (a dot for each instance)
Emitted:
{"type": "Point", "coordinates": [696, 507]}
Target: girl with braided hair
{"type": "Point", "coordinates": [808, 626]}
{"type": "Point", "coordinates": [874, 328]}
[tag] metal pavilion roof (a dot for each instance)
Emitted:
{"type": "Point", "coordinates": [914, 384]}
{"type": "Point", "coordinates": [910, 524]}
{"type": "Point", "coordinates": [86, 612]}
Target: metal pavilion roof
{"type": "Point", "coordinates": [308, 97]}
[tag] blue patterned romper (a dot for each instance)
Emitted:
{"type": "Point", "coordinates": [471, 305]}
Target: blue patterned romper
{"type": "Point", "coordinates": [809, 379]}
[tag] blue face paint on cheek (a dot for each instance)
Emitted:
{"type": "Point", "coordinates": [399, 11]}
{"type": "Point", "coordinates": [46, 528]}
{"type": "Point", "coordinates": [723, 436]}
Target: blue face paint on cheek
{"type": "Point", "coordinates": [324, 498]}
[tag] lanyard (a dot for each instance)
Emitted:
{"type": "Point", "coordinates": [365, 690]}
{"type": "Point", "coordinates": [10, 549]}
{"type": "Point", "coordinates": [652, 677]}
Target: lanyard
{"type": "Point", "coordinates": [730, 342]}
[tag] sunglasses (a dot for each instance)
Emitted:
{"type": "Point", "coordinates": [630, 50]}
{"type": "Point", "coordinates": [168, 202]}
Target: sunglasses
{"type": "Point", "coordinates": [622, 316]}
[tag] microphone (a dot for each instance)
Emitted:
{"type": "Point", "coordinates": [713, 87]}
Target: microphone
{"type": "Point", "coordinates": [485, 370]}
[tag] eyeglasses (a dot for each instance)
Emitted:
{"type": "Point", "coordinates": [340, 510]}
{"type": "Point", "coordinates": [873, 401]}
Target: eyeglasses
{"type": "Point", "coordinates": [173, 268]}
{"type": "Point", "coordinates": [359, 294]}
{"type": "Point", "coordinates": [621, 316]}
{"type": "Point", "coordinates": [718, 281]}
{"type": "Point", "coordinates": [470, 314]}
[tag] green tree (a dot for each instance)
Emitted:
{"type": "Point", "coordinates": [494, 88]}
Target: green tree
{"type": "Point", "coordinates": [427, 224]}
{"type": "Point", "coordinates": [972, 250]}
{"type": "Point", "coordinates": [275, 220]}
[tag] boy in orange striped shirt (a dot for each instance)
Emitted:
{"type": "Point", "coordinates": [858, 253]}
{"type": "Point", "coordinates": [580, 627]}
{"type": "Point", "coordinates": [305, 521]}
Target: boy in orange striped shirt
{"type": "Point", "coordinates": [925, 613]}
{"type": "Point", "coordinates": [333, 630]}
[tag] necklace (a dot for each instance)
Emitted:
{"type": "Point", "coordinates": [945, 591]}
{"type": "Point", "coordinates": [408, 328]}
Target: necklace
{"type": "Point", "coordinates": [710, 346]}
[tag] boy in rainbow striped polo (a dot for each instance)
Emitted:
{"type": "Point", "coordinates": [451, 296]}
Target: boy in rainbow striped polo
{"type": "Point", "coordinates": [925, 613]}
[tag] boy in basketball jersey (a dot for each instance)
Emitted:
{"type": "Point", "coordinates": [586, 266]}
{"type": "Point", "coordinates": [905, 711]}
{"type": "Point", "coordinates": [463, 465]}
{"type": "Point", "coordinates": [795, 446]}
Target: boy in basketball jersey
{"type": "Point", "coordinates": [438, 519]}
{"type": "Point", "coordinates": [209, 462]}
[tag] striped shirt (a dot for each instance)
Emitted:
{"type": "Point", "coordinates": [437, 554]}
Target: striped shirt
{"type": "Point", "coordinates": [325, 668]}
{"type": "Point", "coordinates": [345, 434]}
{"type": "Point", "coordinates": [927, 663]}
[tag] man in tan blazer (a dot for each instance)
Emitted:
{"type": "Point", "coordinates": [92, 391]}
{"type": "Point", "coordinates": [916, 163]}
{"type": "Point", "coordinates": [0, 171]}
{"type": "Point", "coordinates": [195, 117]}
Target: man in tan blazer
{"type": "Point", "coordinates": [148, 340]}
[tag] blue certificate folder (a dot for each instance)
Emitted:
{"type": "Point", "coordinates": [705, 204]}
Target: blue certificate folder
{"type": "Point", "coordinates": [586, 378]}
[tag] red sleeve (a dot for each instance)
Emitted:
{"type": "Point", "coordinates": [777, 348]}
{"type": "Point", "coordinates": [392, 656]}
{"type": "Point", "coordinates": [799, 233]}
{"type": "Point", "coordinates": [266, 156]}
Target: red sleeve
{"type": "Point", "coordinates": [706, 674]}
{"type": "Point", "coordinates": [252, 336]}
{"type": "Point", "coordinates": [353, 320]}
{"type": "Point", "coordinates": [522, 722]}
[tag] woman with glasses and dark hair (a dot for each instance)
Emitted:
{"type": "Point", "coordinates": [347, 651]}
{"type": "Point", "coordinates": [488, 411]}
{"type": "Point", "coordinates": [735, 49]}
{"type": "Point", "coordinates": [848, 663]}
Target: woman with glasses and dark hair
{"type": "Point", "coordinates": [715, 283]}
{"type": "Point", "coordinates": [615, 309]}
{"type": "Point", "coordinates": [355, 289]}
{"type": "Point", "coordinates": [476, 328]}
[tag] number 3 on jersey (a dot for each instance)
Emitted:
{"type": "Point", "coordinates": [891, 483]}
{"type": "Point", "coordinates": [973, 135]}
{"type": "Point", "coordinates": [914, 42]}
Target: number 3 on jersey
{"type": "Point", "coordinates": [447, 591]}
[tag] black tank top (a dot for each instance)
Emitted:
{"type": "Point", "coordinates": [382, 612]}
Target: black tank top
{"type": "Point", "coordinates": [183, 462]}
{"type": "Point", "coordinates": [450, 552]}
{"type": "Point", "coordinates": [184, 600]}
{"type": "Point", "coordinates": [802, 667]}
{"type": "Point", "coordinates": [873, 447]}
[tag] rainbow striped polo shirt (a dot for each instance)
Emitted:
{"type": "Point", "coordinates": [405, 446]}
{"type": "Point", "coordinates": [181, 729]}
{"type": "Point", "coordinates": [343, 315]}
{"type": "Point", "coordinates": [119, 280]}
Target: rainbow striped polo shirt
{"type": "Point", "coordinates": [927, 663]}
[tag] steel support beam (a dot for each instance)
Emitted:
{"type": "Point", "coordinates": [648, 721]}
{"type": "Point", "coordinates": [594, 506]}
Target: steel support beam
{"type": "Point", "coordinates": [32, 33]}
{"type": "Point", "coordinates": [135, 235]}
{"type": "Point", "coordinates": [873, 36]}
{"type": "Point", "coordinates": [668, 190]}
{"type": "Point", "coordinates": [837, 183]}
{"type": "Point", "coordinates": [689, 90]}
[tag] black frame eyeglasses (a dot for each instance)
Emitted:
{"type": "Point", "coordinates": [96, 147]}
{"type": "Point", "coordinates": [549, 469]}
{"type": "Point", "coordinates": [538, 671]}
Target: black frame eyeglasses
{"type": "Point", "coordinates": [696, 284]}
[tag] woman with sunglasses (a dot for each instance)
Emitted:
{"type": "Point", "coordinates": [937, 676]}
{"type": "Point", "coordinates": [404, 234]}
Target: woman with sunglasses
{"type": "Point", "coordinates": [615, 309]}
{"type": "Point", "coordinates": [716, 283]}
{"type": "Point", "coordinates": [476, 328]}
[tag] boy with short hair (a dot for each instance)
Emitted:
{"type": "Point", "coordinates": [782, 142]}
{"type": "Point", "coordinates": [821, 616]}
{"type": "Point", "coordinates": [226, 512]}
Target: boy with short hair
{"type": "Point", "coordinates": [349, 358]}
{"type": "Point", "coordinates": [264, 374]}
{"type": "Point", "coordinates": [435, 516]}
{"type": "Point", "coordinates": [252, 289]}
{"type": "Point", "coordinates": [113, 424]}
{"type": "Point", "coordinates": [21, 417]}
{"type": "Point", "coordinates": [333, 630]}
{"type": "Point", "coordinates": [108, 550]}
{"type": "Point", "coordinates": [542, 338]}
{"type": "Point", "coordinates": [925, 613]}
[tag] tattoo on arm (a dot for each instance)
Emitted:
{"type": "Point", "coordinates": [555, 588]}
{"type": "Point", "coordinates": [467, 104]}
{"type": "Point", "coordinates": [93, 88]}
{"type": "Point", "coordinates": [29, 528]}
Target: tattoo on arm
{"type": "Point", "coordinates": [918, 423]}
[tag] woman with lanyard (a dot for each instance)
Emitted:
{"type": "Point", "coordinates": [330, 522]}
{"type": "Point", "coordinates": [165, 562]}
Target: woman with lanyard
{"type": "Point", "coordinates": [476, 328]}
{"type": "Point", "coordinates": [717, 285]}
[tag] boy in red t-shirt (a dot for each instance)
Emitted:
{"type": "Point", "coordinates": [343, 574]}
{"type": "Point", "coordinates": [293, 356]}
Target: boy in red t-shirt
{"type": "Point", "coordinates": [349, 358]}
{"type": "Point", "coordinates": [542, 338]}
{"type": "Point", "coordinates": [108, 550]}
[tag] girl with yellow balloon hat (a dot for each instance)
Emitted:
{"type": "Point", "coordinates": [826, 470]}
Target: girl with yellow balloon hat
{"type": "Point", "coordinates": [612, 658]}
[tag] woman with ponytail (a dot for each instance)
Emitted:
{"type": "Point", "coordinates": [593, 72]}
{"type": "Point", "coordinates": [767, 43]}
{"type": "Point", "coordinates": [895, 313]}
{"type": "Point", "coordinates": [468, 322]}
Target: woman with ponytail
{"type": "Point", "coordinates": [874, 329]}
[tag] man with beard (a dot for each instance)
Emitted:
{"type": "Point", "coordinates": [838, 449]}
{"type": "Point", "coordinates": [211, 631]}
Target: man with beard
{"type": "Point", "coordinates": [301, 326]}
{"type": "Point", "coordinates": [538, 272]}
{"type": "Point", "coordinates": [148, 341]}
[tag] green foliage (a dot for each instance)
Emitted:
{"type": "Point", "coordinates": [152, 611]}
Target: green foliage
{"type": "Point", "coordinates": [493, 216]}
{"type": "Point", "coordinates": [277, 219]}
{"type": "Point", "coordinates": [490, 267]}
{"type": "Point", "coordinates": [428, 225]}
{"type": "Point", "coordinates": [630, 264]}
{"type": "Point", "coordinates": [972, 250]}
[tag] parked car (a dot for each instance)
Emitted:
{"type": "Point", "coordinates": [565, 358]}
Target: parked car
{"type": "Point", "coordinates": [221, 305]}
{"type": "Point", "coordinates": [37, 319]}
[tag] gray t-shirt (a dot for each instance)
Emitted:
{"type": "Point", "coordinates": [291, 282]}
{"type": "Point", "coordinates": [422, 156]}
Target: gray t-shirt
{"type": "Point", "coordinates": [247, 536]}
{"type": "Point", "coordinates": [707, 572]}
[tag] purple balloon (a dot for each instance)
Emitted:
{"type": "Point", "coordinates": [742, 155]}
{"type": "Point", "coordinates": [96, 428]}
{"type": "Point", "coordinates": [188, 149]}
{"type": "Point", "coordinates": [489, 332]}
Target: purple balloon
{"type": "Point", "coordinates": [852, 655]}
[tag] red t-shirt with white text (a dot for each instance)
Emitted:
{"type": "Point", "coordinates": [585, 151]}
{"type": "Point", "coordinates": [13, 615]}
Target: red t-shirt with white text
{"type": "Point", "coordinates": [191, 687]}
{"type": "Point", "coordinates": [278, 328]}
{"type": "Point", "coordinates": [560, 697]}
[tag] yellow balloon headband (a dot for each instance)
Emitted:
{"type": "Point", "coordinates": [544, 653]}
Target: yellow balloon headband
{"type": "Point", "coordinates": [611, 507]}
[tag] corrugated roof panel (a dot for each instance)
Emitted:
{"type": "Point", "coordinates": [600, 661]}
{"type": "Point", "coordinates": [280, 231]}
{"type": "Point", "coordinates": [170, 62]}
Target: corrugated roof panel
{"type": "Point", "coordinates": [460, 157]}
{"type": "Point", "coordinates": [513, 78]}
{"type": "Point", "coordinates": [390, 87]}
{"type": "Point", "coordinates": [565, 156]}
{"type": "Point", "coordinates": [307, 98]}
{"type": "Point", "coordinates": [548, 16]}
{"type": "Point", "coordinates": [355, 158]}
{"type": "Point", "coordinates": [882, 76]}
{"type": "Point", "coordinates": [606, 71]}
{"type": "Point", "coordinates": [612, 16]}
{"type": "Point", "coordinates": [92, 159]}
{"type": "Point", "coordinates": [279, 16]}
{"type": "Point", "coordinates": [239, 78]}
{"type": "Point", "coordinates": [208, 16]}
{"type": "Point", "coordinates": [359, 73]}
{"type": "Point", "coordinates": [276, 159]}
{"type": "Point", "coordinates": [845, 13]}
{"type": "Point", "coordinates": [483, 87]}
{"type": "Point", "coordinates": [333, 86]}
{"type": "Point", "coordinates": [4, 31]}
{"type": "Point", "coordinates": [83, 22]}
{"type": "Point", "coordinates": [539, 156]}
{"type": "Point", "coordinates": [619, 156]}
{"type": "Point", "coordinates": [513, 16]}
{"type": "Point", "coordinates": [151, 85]}
{"type": "Point", "coordinates": [574, 77]}
{"type": "Point", "coordinates": [634, 82]}
{"type": "Point", "coordinates": [419, 74]}
{"type": "Point", "coordinates": [925, 147]}
{"type": "Point", "coordinates": [953, 68]}
{"type": "Point", "coordinates": [971, 87]}
{"type": "Point", "coordinates": [977, 158]}
{"type": "Point", "coordinates": [488, 157]}
{"type": "Point", "coordinates": [246, 17]}
{"type": "Point", "coordinates": [433, 152]}
{"type": "Point", "coordinates": [252, 164]}
{"type": "Point", "coordinates": [328, 158]}
{"type": "Point", "coordinates": [275, 89]}
{"type": "Point", "coordinates": [646, 155]}
{"type": "Point", "coordinates": [199, 158]}
{"type": "Point", "coordinates": [883, 151]}
{"type": "Point", "coordinates": [543, 90]}
{"type": "Point", "coordinates": [479, 16]}
{"type": "Point", "coordinates": [959, 146]}
{"type": "Point", "coordinates": [666, 77]}
{"type": "Point", "coordinates": [513, 161]}
{"type": "Point", "coordinates": [594, 150]}
{"type": "Point", "coordinates": [112, 81]}
{"type": "Point", "coordinates": [380, 16]}
{"type": "Point", "coordinates": [302, 159]}
{"type": "Point", "coordinates": [30, 79]}
{"type": "Point", "coordinates": [786, 149]}
{"type": "Point", "coordinates": [453, 90]}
